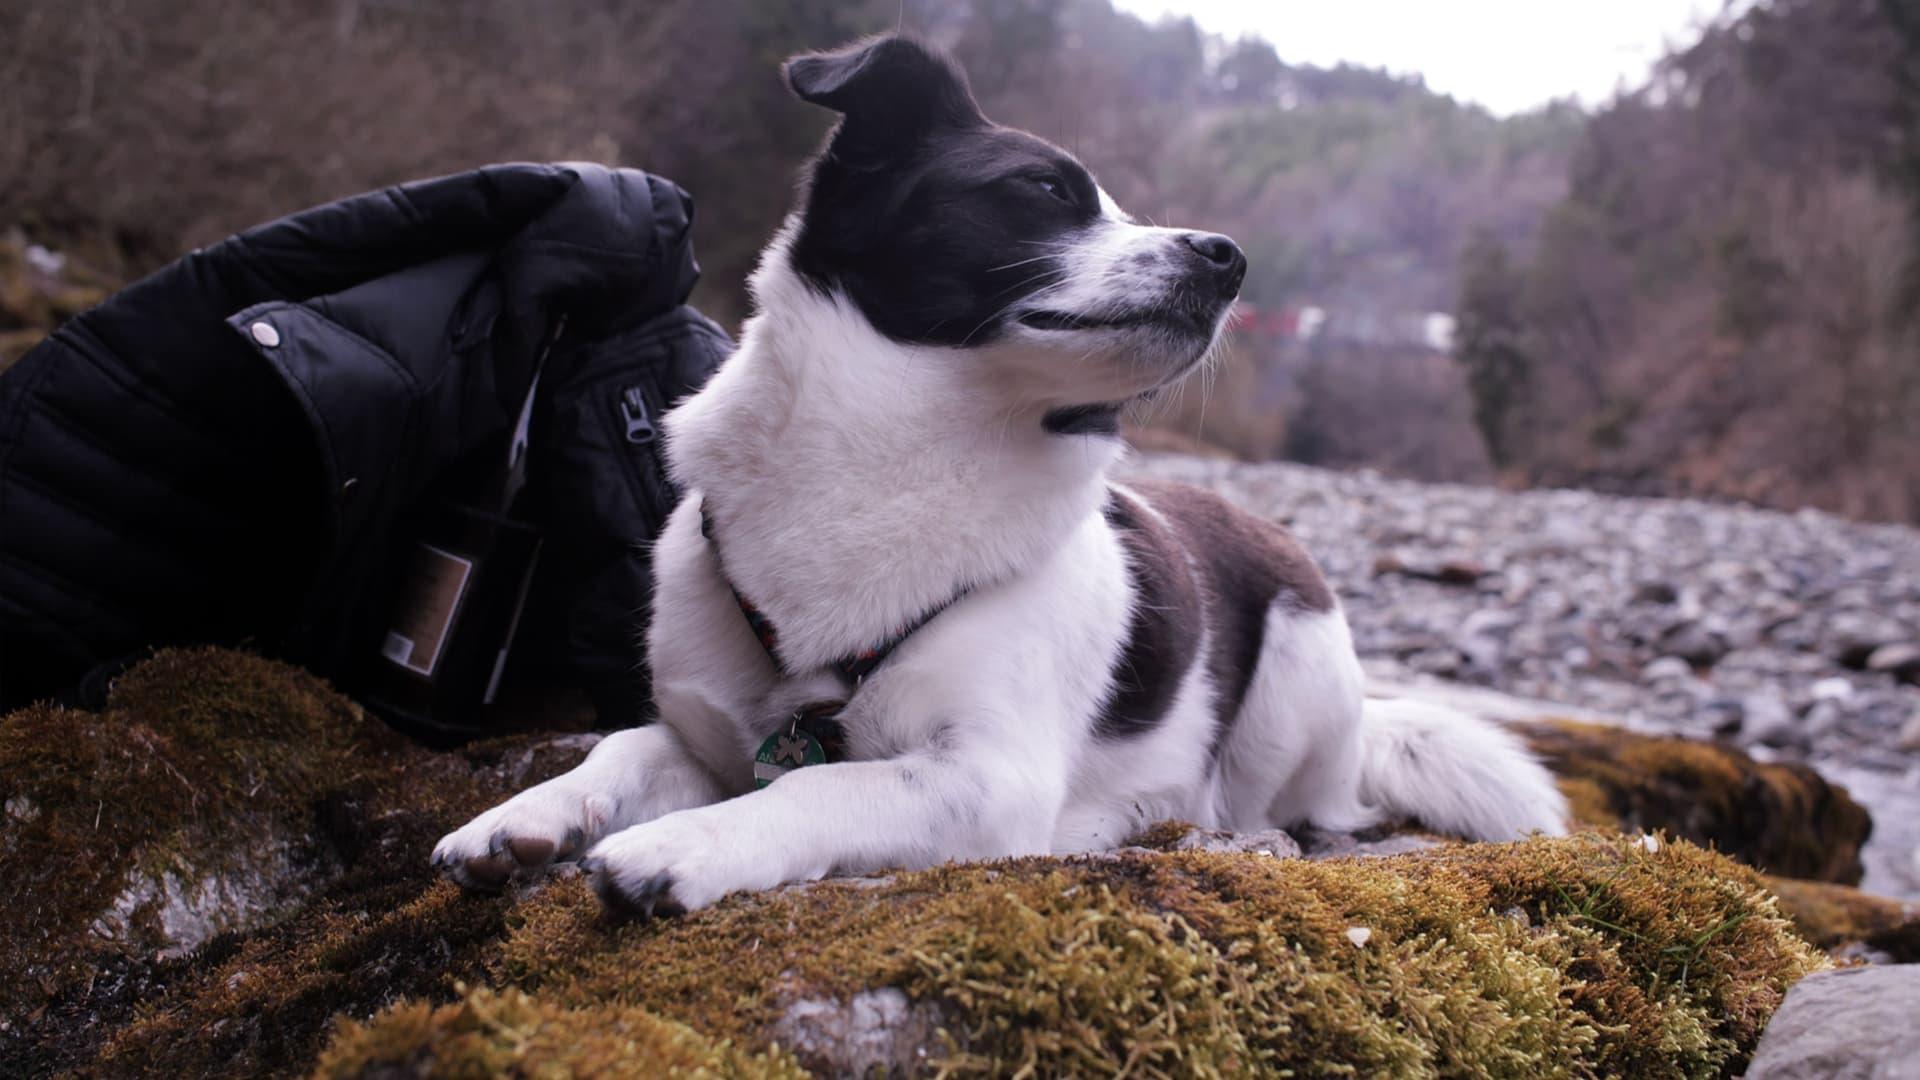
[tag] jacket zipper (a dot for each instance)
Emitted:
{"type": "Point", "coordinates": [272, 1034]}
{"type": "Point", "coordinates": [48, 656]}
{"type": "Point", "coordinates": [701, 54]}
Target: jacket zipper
{"type": "Point", "coordinates": [639, 422]}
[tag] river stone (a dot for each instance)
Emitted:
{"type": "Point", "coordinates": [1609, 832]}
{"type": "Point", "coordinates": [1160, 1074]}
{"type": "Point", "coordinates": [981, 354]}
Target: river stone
{"type": "Point", "coordinates": [1852, 637]}
{"type": "Point", "coordinates": [878, 1032]}
{"type": "Point", "coordinates": [1901, 660]}
{"type": "Point", "coordinates": [1665, 669]}
{"type": "Point", "coordinates": [1856, 1022]}
{"type": "Point", "coordinates": [1695, 642]}
{"type": "Point", "coordinates": [1275, 842]}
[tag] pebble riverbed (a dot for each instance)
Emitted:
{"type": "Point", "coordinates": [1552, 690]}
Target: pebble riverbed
{"type": "Point", "coordinates": [1795, 636]}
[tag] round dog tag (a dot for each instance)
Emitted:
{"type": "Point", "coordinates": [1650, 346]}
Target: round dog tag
{"type": "Point", "coordinates": [783, 752]}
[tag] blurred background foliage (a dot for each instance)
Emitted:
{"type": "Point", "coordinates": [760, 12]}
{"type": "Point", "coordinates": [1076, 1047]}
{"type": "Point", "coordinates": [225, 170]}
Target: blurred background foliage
{"type": "Point", "coordinates": [1706, 287]}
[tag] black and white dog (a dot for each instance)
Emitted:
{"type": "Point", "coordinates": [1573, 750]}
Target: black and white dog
{"type": "Point", "coordinates": [914, 438]}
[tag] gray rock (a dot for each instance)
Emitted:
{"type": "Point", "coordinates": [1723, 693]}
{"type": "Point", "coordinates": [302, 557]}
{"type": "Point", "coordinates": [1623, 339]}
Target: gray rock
{"type": "Point", "coordinates": [1666, 668]}
{"type": "Point", "coordinates": [1821, 719]}
{"type": "Point", "coordinates": [1695, 642]}
{"type": "Point", "coordinates": [1319, 845]}
{"type": "Point", "coordinates": [1446, 660]}
{"type": "Point", "coordinates": [874, 1032]}
{"type": "Point", "coordinates": [1795, 632]}
{"type": "Point", "coordinates": [1495, 623]}
{"type": "Point", "coordinates": [1483, 639]}
{"type": "Point", "coordinates": [1901, 660]}
{"type": "Point", "coordinates": [1767, 720]}
{"type": "Point", "coordinates": [181, 908]}
{"type": "Point", "coordinates": [1910, 734]}
{"type": "Point", "coordinates": [1855, 1022]}
{"type": "Point", "coordinates": [1275, 842]}
{"type": "Point", "coordinates": [1723, 715]}
{"type": "Point", "coordinates": [1852, 637]}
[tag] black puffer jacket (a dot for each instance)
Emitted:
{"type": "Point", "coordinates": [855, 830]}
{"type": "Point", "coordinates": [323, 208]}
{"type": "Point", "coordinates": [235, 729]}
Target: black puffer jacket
{"type": "Point", "coordinates": [234, 449]}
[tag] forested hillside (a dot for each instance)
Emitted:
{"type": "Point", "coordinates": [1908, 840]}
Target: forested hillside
{"type": "Point", "coordinates": [1696, 289]}
{"type": "Point", "coordinates": [1725, 302]}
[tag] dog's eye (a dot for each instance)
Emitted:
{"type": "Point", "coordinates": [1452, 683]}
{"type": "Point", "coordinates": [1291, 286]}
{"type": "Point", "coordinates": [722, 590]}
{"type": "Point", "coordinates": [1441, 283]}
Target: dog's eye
{"type": "Point", "coordinates": [1055, 187]}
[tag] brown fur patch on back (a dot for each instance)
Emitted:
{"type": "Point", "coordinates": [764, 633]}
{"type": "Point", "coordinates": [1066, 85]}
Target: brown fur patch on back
{"type": "Point", "coordinates": [1163, 630]}
{"type": "Point", "coordinates": [1244, 566]}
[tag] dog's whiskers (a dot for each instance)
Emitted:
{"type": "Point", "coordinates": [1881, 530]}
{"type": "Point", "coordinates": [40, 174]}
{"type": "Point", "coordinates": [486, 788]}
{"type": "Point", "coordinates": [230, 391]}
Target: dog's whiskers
{"type": "Point", "coordinates": [1017, 262]}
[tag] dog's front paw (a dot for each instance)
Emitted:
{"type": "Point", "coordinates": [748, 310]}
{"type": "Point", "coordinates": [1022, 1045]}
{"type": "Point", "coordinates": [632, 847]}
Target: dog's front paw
{"type": "Point", "coordinates": [542, 825]}
{"type": "Point", "coordinates": [676, 864]}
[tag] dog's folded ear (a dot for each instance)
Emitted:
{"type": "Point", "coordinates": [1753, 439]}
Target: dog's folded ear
{"type": "Point", "coordinates": [890, 88]}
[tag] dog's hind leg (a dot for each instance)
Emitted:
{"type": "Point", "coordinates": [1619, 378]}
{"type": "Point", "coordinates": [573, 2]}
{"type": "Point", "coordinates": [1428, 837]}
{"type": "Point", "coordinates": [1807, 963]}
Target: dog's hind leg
{"type": "Point", "coordinates": [1293, 755]}
{"type": "Point", "coordinates": [631, 777]}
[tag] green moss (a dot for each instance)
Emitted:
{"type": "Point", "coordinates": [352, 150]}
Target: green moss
{"type": "Point", "coordinates": [511, 1034]}
{"type": "Point", "coordinates": [1580, 956]}
{"type": "Point", "coordinates": [1161, 836]}
{"type": "Point", "coordinates": [1782, 818]}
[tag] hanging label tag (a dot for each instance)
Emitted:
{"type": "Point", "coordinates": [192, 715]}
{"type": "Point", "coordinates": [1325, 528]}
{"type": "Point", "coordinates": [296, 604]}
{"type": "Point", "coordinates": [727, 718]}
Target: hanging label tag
{"type": "Point", "coordinates": [430, 597]}
{"type": "Point", "coordinates": [785, 751]}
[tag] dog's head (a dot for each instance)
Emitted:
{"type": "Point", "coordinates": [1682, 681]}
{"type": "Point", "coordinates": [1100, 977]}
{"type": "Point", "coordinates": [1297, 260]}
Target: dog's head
{"type": "Point", "coordinates": [944, 228]}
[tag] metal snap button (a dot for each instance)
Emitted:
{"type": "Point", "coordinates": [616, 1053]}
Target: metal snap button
{"type": "Point", "coordinates": [264, 333]}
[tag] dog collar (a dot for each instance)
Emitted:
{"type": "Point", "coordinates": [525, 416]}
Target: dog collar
{"type": "Point", "coordinates": [813, 734]}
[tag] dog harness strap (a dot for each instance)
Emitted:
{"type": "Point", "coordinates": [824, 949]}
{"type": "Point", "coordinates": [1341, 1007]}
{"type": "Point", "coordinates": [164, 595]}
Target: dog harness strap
{"type": "Point", "coordinates": [813, 734]}
{"type": "Point", "coordinates": [851, 669]}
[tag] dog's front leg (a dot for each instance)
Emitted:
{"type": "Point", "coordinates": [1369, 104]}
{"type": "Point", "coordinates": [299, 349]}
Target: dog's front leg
{"type": "Point", "coordinates": [630, 777]}
{"type": "Point", "coordinates": [911, 811]}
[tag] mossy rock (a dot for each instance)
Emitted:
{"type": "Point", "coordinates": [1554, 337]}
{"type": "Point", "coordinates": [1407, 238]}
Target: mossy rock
{"type": "Point", "coordinates": [1591, 955]}
{"type": "Point", "coordinates": [216, 794]}
{"type": "Point", "coordinates": [172, 816]}
{"type": "Point", "coordinates": [1577, 957]}
{"type": "Point", "coordinates": [1850, 922]}
{"type": "Point", "coordinates": [1782, 818]}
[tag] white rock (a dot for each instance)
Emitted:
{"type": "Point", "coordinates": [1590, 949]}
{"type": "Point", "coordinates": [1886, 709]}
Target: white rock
{"type": "Point", "coordinates": [1901, 660]}
{"type": "Point", "coordinates": [1666, 668]}
{"type": "Point", "coordinates": [1835, 688]}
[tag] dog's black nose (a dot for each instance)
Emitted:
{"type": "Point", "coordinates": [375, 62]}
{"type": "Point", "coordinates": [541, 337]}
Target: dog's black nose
{"type": "Point", "coordinates": [1224, 259]}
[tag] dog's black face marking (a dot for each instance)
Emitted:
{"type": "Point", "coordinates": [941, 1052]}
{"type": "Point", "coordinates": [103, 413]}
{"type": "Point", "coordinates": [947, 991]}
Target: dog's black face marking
{"type": "Point", "coordinates": [932, 219]}
{"type": "Point", "coordinates": [944, 228]}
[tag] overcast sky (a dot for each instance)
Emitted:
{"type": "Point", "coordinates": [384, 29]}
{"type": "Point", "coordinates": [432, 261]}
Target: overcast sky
{"type": "Point", "coordinates": [1509, 55]}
